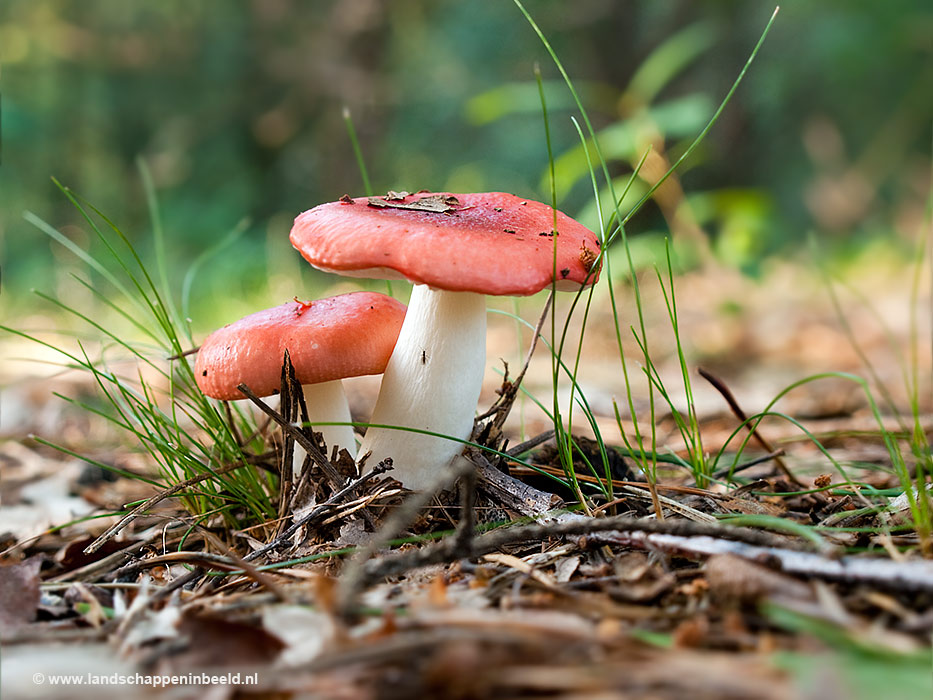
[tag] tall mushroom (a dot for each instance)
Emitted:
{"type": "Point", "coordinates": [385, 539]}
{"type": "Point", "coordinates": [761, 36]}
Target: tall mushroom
{"type": "Point", "coordinates": [455, 249]}
{"type": "Point", "coordinates": [327, 340]}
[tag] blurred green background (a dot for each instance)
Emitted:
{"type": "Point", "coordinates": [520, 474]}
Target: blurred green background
{"type": "Point", "coordinates": [236, 108]}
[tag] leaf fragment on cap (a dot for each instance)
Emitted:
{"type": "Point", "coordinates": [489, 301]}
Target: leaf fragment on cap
{"type": "Point", "coordinates": [435, 203]}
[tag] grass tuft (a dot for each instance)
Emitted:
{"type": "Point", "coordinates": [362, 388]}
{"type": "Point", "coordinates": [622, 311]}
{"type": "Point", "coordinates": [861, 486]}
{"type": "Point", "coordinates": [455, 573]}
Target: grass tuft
{"type": "Point", "coordinates": [183, 432]}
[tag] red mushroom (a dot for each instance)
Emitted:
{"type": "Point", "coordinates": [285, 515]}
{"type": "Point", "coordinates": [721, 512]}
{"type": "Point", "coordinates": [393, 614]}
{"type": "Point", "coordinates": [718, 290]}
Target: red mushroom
{"type": "Point", "coordinates": [327, 340]}
{"type": "Point", "coordinates": [455, 248]}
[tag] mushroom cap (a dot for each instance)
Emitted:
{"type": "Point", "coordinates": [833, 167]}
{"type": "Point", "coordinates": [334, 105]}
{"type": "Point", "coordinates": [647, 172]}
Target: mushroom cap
{"type": "Point", "coordinates": [327, 339]}
{"type": "Point", "coordinates": [490, 243]}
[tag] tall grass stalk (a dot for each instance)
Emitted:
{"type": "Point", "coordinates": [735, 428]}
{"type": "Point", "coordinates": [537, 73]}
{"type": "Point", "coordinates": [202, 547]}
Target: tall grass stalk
{"type": "Point", "coordinates": [689, 428]}
{"type": "Point", "coordinates": [642, 449]}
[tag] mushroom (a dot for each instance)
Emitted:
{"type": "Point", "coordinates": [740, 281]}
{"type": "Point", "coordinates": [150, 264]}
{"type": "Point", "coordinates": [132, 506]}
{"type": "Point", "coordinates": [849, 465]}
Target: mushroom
{"type": "Point", "coordinates": [327, 340]}
{"type": "Point", "coordinates": [455, 249]}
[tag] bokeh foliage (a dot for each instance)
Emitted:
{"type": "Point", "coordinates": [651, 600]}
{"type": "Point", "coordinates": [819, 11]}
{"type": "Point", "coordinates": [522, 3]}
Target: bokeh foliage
{"type": "Point", "coordinates": [236, 109]}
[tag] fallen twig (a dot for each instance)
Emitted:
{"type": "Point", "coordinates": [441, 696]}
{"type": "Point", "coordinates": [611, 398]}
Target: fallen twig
{"type": "Point", "coordinates": [900, 575]}
{"type": "Point", "coordinates": [177, 583]}
{"type": "Point", "coordinates": [90, 570]}
{"type": "Point", "coordinates": [202, 559]}
{"type": "Point", "coordinates": [510, 492]}
{"type": "Point", "coordinates": [218, 561]}
{"type": "Point", "coordinates": [530, 443]}
{"type": "Point", "coordinates": [726, 471]}
{"type": "Point", "coordinates": [568, 525]}
{"type": "Point", "coordinates": [184, 353]}
{"type": "Point", "coordinates": [251, 571]}
{"type": "Point", "coordinates": [727, 394]}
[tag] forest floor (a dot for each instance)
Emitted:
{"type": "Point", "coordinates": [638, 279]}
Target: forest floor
{"type": "Point", "coordinates": [805, 595]}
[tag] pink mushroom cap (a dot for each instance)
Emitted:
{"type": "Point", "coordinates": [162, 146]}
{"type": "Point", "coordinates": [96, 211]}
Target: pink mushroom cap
{"type": "Point", "coordinates": [489, 243]}
{"type": "Point", "coordinates": [343, 336]}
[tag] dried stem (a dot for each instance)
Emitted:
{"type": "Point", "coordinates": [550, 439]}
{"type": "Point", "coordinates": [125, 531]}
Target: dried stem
{"type": "Point", "coordinates": [530, 443]}
{"type": "Point", "coordinates": [512, 493]}
{"type": "Point", "coordinates": [298, 435]}
{"type": "Point", "coordinates": [725, 471]}
{"type": "Point", "coordinates": [186, 353]}
{"type": "Point", "coordinates": [727, 394]}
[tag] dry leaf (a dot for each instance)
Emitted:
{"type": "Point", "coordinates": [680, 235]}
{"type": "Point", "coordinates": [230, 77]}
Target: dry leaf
{"type": "Point", "coordinates": [72, 555]}
{"type": "Point", "coordinates": [217, 643]}
{"type": "Point", "coordinates": [150, 626]}
{"type": "Point", "coordinates": [565, 568]}
{"type": "Point", "coordinates": [352, 534]}
{"type": "Point", "coordinates": [434, 203]}
{"type": "Point", "coordinates": [19, 592]}
{"type": "Point", "coordinates": [304, 632]}
{"type": "Point", "coordinates": [521, 566]}
{"type": "Point", "coordinates": [734, 577]}
{"type": "Point", "coordinates": [44, 503]}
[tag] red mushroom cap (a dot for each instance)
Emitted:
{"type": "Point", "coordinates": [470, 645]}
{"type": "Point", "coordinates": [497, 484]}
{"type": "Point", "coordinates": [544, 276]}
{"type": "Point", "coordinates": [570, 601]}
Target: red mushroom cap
{"type": "Point", "coordinates": [490, 243]}
{"type": "Point", "coordinates": [343, 336]}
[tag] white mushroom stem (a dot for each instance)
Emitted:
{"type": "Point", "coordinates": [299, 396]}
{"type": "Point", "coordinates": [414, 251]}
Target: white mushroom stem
{"type": "Point", "coordinates": [327, 403]}
{"type": "Point", "coordinates": [432, 382]}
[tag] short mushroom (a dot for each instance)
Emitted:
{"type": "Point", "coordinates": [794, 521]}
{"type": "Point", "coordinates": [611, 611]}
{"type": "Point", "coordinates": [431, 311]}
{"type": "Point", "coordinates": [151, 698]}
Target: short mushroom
{"type": "Point", "coordinates": [327, 340]}
{"type": "Point", "coordinates": [455, 249]}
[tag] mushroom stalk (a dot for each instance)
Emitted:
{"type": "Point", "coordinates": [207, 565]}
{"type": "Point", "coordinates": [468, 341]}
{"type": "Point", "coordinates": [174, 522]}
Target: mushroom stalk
{"type": "Point", "coordinates": [432, 383]}
{"type": "Point", "coordinates": [327, 403]}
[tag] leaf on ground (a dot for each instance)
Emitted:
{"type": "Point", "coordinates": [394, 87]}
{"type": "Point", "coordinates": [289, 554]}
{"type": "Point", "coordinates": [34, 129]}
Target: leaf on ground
{"type": "Point", "coordinates": [72, 555]}
{"type": "Point", "coordinates": [731, 576]}
{"type": "Point", "coordinates": [44, 503]}
{"type": "Point", "coordinates": [304, 633]}
{"type": "Point", "coordinates": [151, 626]}
{"type": "Point", "coordinates": [352, 534]}
{"type": "Point", "coordinates": [212, 642]}
{"type": "Point", "coordinates": [19, 592]}
{"type": "Point", "coordinates": [747, 506]}
{"type": "Point", "coordinates": [565, 568]}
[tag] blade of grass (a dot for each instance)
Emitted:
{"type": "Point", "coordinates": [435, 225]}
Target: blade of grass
{"type": "Point", "coordinates": [231, 237]}
{"type": "Point", "coordinates": [357, 152]}
{"type": "Point", "coordinates": [158, 235]}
